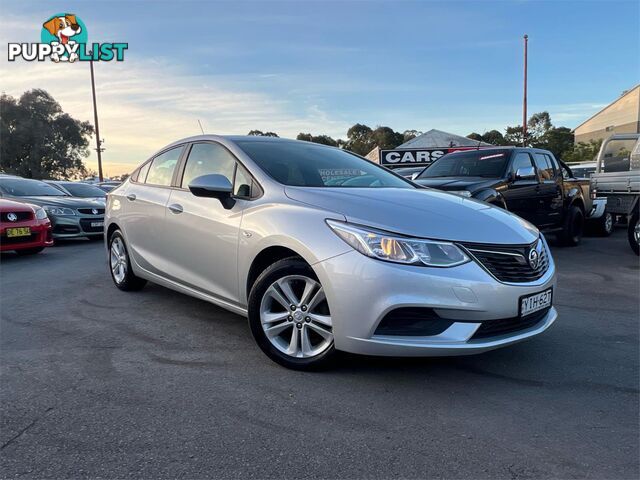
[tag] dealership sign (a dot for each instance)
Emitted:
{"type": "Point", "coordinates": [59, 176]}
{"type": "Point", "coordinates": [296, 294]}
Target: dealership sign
{"type": "Point", "coordinates": [416, 156]}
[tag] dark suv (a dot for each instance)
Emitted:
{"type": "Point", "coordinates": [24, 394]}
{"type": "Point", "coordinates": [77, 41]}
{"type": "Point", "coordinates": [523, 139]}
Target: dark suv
{"type": "Point", "coordinates": [529, 182]}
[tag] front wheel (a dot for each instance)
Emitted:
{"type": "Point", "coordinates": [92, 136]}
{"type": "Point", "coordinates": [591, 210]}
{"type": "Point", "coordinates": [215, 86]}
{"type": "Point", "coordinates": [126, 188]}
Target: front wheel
{"type": "Point", "coordinates": [633, 233]}
{"type": "Point", "coordinates": [573, 227]}
{"type": "Point", "coordinates": [289, 316]}
{"type": "Point", "coordinates": [120, 265]}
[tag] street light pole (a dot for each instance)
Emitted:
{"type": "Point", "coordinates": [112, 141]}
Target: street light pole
{"type": "Point", "coordinates": [95, 117]}
{"type": "Point", "coordinates": [524, 98]}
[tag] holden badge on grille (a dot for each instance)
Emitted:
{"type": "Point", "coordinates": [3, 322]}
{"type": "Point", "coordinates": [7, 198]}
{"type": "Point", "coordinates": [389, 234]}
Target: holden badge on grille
{"type": "Point", "coordinates": [12, 217]}
{"type": "Point", "coordinates": [534, 257]}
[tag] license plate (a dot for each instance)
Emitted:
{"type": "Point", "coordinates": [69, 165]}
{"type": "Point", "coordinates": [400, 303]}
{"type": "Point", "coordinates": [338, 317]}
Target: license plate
{"type": "Point", "coordinates": [97, 224]}
{"type": "Point", "coordinates": [534, 303]}
{"type": "Point", "coordinates": [18, 232]}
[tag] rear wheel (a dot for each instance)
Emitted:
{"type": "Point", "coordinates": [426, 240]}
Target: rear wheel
{"type": "Point", "coordinates": [120, 265]}
{"type": "Point", "coordinates": [30, 251]}
{"type": "Point", "coordinates": [605, 224]}
{"type": "Point", "coordinates": [573, 227]}
{"type": "Point", "coordinates": [633, 233]}
{"type": "Point", "coordinates": [289, 316]}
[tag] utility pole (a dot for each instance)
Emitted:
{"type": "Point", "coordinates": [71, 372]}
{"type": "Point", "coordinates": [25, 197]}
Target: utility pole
{"type": "Point", "coordinates": [524, 98]}
{"type": "Point", "coordinates": [99, 148]}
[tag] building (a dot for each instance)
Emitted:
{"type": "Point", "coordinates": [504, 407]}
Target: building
{"type": "Point", "coordinates": [424, 149]}
{"type": "Point", "coordinates": [620, 116]}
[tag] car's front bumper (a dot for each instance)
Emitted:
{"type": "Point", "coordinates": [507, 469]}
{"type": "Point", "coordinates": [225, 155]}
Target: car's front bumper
{"type": "Point", "coordinates": [361, 291]}
{"type": "Point", "coordinates": [73, 226]}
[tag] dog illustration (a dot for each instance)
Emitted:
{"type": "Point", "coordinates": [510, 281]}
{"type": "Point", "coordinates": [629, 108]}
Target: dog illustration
{"type": "Point", "coordinates": [63, 28]}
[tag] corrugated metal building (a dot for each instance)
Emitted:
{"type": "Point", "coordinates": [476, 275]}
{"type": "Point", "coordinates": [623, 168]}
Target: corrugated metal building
{"type": "Point", "coordinates": [621, 116]}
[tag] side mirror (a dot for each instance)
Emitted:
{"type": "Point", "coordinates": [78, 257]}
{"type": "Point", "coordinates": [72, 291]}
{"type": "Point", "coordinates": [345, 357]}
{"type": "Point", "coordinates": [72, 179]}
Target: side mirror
{"type": "Point", "coordinates": [526, 173]}
{"type": "Point", "coordinates": [213, 186]}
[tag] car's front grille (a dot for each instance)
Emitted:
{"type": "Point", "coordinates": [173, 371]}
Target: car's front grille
{"type": "Point", "coordinates": [85, 223]}
{"type": "Point", "coordinates": [90, 211]}
{"type": "Point", "coordinates": [513, 264]}
{"type": "Point", "coordinates": [503, 326]}
{"type": "Point", "coordinates": [19, 216]}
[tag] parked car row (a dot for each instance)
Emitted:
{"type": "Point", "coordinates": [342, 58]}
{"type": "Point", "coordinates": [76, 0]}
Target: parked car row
{"type": "Point", "coordinates": [37, 212]}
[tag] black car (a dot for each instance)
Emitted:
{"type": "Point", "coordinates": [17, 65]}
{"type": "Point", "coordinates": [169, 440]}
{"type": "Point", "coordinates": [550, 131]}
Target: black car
{"type": "Point", "coordinates": [526, 181]}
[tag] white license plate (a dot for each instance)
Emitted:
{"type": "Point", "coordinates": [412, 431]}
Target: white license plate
{"type": "Point", "coordinates": [97, 224]}
{"type": "Point", "coordinates": [536, 302]}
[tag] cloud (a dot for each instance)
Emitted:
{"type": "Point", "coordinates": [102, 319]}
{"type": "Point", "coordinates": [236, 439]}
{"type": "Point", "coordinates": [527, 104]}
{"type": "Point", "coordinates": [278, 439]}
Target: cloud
{"type": "Point", "coordinates": [144, 105]}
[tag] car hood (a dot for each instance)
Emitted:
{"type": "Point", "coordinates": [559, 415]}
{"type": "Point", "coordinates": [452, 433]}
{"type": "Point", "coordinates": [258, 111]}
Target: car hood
{"type": "Point", "coordinates": [456, 183]}
{"type": "Point", "coordinates": [422, 213]}
{"type": "Point", "coordinates": [71, 202]}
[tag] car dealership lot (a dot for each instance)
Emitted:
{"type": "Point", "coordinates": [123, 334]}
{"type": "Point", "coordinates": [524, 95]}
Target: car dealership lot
{"type": "Point", "coordinates": [101, 383]}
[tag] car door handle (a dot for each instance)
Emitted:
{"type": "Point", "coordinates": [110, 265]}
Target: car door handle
{"type": "Point", "coordinates": [131, 197]}
{"type": "Point", "coordinates": [175, 208]}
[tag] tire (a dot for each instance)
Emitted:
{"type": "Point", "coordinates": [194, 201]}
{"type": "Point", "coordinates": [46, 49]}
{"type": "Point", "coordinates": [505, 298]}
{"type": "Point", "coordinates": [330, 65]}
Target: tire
{"type": "Point", "coordinates": [605, 224]}
{"type": "Point", "coordinates": [284, 332]}
{"type": "Point", "coordinates": [633, 233]}
{"type": "Point", "coordinates": [29, 251]}
{"type": "Point", "coordinates": [572, 228]}
{"type": "Point", "coordinates": [120, 265]}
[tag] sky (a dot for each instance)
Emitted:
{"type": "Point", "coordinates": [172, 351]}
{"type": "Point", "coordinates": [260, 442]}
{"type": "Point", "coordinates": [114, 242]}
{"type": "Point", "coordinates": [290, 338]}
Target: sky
{"type": "Point", "coordinates": [322, 66]}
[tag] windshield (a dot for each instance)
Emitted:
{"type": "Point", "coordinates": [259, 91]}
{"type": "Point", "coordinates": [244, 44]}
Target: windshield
{"type": "Point", "coordinates": [83, 190]}
{"type": "Point", "coordinates": [476, 163]}
{"type": "Point", "coordinates": [22, 187]}
{"type": "Point", "coordinates": [304, 164]}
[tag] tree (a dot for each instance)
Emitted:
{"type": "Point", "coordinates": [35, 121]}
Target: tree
{"type": "Point", "coordinates": [557, 140]}
{"type": "Point", "coordinates": [39, 140]}
{"type": "Point", "coordinates": [359, 139]}
{"type": "Point", "coordinates": [582, 152]}
{"type": "Point", "coordinates": [322, 139]}
{"type": "Point", "coordinates": [259, 133]}
{"type": "Point", "coordinates": [475, 136]}
{"type": "Point", "coordinates": [513, 135]}
{"type": "Point", "coordinates": [537, 126]}
{"type": "Point", "coordinates": [494, 137]}
{"type": "Point", "coordinates": [410, 135]}
{"type": "Point", "coordinates": [385, 138]}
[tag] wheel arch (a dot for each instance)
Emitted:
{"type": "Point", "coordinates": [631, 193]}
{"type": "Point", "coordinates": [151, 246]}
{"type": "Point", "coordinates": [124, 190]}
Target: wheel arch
{"type": "Point", "coordinates": [267, 256]}
{"type": "Point", "coordinates": [110, 230]}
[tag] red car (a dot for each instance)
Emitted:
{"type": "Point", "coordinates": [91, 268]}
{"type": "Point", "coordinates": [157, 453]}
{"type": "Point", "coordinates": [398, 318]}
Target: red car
{"type": "Point", "coordinates": [24, 228]}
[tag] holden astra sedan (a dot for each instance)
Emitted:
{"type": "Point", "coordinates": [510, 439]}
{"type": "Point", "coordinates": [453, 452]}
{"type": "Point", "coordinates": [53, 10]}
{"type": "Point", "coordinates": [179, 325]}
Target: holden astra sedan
{"type": "Point", "coordinates": [324, 251]}
{"type": "Point", "coordinates": [23, 228]}
{"type": "Point", "coordinates": [70, 217]}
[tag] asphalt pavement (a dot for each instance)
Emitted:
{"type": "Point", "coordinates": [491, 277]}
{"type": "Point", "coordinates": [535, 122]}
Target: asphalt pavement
{"type": "Point", "coordinates": [98, 383]}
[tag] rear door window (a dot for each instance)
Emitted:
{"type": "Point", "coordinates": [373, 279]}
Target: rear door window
{"type": "Point", "coordinates": [545, 170]}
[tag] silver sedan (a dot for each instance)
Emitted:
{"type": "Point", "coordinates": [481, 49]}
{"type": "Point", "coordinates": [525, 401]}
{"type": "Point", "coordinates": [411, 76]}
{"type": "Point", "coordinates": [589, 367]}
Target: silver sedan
{"type": "Point", "coordinates": [324, 251]}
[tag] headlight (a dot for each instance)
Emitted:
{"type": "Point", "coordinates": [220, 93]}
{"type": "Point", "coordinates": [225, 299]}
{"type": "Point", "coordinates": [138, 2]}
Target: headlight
{"type": "Point", "coordinates": [461, 193]}
{"type": "Point", "coordinates": [59, 211]}
{"type": "Point", "coordinates": [412, 251]}
{"type": "Point", "coordinates": [41, 214]}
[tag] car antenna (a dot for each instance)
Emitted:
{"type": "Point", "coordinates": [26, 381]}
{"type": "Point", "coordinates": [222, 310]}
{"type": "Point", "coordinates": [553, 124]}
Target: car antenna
{"type": "Point", "coordinates": [201, 129]}
{"type": "Point", "coordinates": [479, 142]}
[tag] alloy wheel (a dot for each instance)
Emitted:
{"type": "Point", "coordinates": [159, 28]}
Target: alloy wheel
{"type": "Point", "coordinates": [118, 260]}
{"type": "Point", "coordinates": [636, 232]}
{"type": "Point", "coordinates": [295, 316]}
